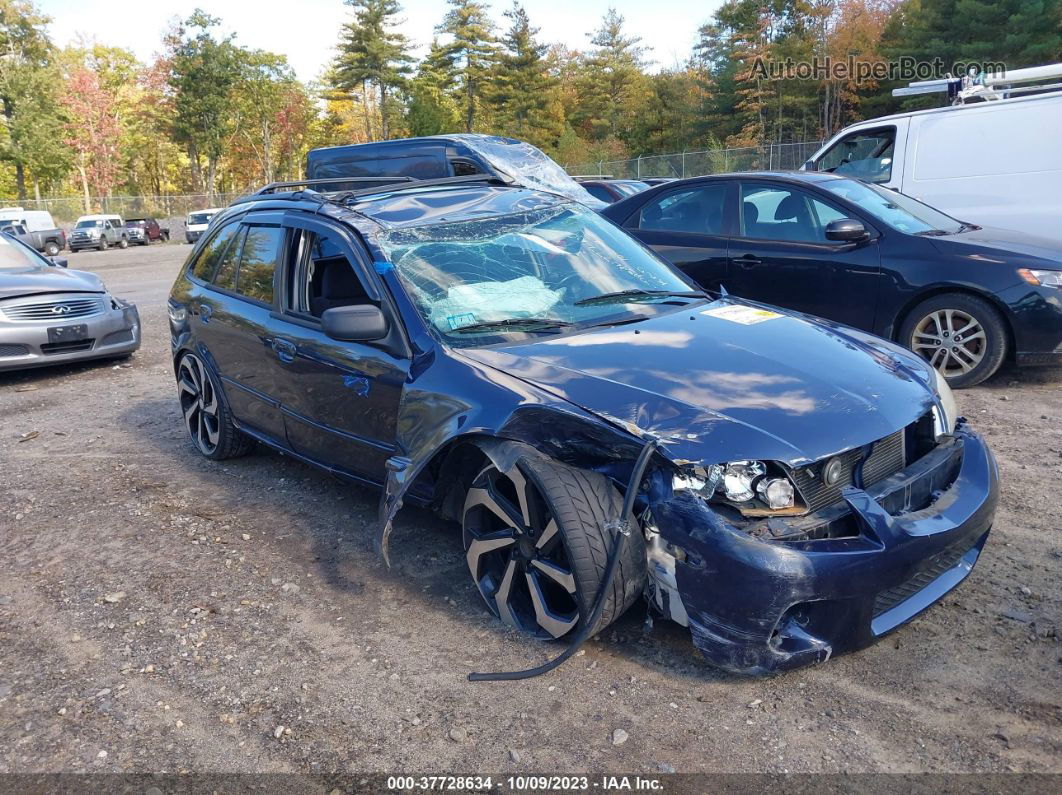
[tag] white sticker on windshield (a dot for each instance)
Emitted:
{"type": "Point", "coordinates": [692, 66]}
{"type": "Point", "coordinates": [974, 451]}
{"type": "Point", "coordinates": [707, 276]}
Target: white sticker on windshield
{"type": "Point", "coordinates": [745, 315]}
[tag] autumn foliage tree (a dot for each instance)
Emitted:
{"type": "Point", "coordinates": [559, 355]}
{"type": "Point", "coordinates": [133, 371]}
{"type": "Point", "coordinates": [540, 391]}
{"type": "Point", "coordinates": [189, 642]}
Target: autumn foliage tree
{"type": "Point", "coordinates": [92, 133]}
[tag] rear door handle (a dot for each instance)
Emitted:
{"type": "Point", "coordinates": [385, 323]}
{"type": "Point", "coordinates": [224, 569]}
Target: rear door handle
{"type": "Point", "coordinates": [748, 261]}
{"type": "Point", "coordinates": [285, 349]}
{"type": "Point", "coordinates": [205, 312]}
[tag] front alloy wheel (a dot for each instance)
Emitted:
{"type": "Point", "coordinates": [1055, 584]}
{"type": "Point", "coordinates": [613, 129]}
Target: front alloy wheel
{"type": "Point", "coordinates": [536, 544]}
{"type": "Point", "coordinates": [206, 416]}
{"type": "Point", "coordinates": [961, 335]}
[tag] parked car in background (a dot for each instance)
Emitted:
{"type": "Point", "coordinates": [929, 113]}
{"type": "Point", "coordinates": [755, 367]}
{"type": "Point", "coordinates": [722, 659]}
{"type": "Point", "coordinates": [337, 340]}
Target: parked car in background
{"type": "Point", "coordinates": [611, 190]}
{"type": "Point", "coordinates": [51, 315]}
{"type": "Point", "coordinates": [964, 297]}
{"type": "Point", "coordinates": [99, 232]}
{"type": "Point", "coordinates": [35, 228]}
{"type": "Point", "coordinates": [794, 489]}
{"type": "Point", "coordinates": [651, 181]}
{"type": "Point", "coordinates": [197, 223]}
{"type": "Point", "coordinates": [440, 156]}
{"type": "Point", "coordinates": [144, 231]}
{"type": "Point", "coordinates": [995, 164]}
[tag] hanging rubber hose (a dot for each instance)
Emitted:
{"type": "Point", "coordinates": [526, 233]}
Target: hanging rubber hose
{"type": "Point", "coordinates": [621, 531]}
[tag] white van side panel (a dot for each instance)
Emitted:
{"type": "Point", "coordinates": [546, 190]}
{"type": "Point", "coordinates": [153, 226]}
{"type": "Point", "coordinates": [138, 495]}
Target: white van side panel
{"type": "Point", "coordinates": [997, 164]}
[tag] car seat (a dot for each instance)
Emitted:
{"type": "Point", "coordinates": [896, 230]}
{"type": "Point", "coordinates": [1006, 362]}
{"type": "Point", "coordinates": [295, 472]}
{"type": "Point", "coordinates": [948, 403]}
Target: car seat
{"type": "Point", "coordinates": [339, 286]}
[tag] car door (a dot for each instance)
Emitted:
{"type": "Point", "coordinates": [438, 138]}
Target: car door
{"type": "Point", "coordinates": [780, 255]}
{"type": "Point", "coordinates": [688, 227]}
{"type": "Point", "coordinates": [230, 316]}
{"type": "Point", "coordinates": [873, 154]}
{"type": "Point", "coordinates": [340, 398]}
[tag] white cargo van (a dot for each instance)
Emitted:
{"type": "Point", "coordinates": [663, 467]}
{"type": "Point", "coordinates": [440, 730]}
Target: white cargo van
{"type": "Point", "coordinates": [993, 163]}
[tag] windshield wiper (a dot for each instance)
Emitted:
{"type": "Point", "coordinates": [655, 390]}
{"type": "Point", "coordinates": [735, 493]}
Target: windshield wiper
{"type": "Point", "coordinates": [514, 324]}
{"type": "Point", "coordinates": [932, 233]}
{"type": "Point", "coordinates": [635, 294]}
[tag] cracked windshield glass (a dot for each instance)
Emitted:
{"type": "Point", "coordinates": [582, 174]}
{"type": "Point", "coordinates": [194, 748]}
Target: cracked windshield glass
{"type": "Point", "coordinates": [542, 271]}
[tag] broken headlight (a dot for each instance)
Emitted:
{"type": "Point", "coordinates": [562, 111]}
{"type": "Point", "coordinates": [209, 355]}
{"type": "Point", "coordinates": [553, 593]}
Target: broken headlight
{"type": "Point", "coordinates": [946, 423]}
{"type": "Point", "coordinates": [755, 488]}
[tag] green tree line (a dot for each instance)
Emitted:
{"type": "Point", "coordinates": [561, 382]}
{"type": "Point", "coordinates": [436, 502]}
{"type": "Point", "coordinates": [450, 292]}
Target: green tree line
{"type": "Point", "coordinates": [210, 115]}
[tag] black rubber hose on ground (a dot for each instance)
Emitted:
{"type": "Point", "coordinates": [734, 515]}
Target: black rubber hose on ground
{"type": "Point", "coordinates": [580, 637]}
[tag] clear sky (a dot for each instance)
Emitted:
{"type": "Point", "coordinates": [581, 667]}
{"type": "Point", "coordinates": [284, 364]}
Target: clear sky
{"type": "Point", "coordinates": [306, 30]}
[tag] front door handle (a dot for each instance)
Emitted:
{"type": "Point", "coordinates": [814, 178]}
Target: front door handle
{"type": "Point", "coordinates": [285, 349]}
{"type": "Point", "coordinates": [204, 312]}
{"type": "Point", "coordinates": [748, 261]}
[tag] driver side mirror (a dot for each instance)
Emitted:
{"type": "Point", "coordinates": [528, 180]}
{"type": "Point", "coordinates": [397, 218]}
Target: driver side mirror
{"type": "Point", "coordinates": [59, 262]}
{"type": "Point", "coordinates": [847, 230]}
{"type": "Point", "coordinates": [358, 323]}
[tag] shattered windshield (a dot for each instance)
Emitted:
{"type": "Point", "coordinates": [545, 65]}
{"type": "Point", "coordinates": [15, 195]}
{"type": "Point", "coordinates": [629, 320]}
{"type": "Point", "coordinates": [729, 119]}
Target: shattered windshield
{"type": "Point", "coordinates": [529, 165]}
{"type": "Point", "coordinates": [534, 272]}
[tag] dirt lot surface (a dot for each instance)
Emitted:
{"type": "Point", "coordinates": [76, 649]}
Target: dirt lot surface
{"type": "Point", "coordinates": [160, 612]}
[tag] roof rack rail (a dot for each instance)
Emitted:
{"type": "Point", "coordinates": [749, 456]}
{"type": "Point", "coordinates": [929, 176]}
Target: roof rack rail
{"type": "Point", "coordinates": [273, 187]}
{"type": "Point", "coordinates": [977, 86]}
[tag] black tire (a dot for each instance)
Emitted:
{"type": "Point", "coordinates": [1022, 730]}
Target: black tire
{"type": "Point", "coordinates": [165, 238]}
{"type": "Point", "coordinates": [195, 381]}
{"type": "Point", "coordinates": [103, 244]}
{"type": "Point", "coordinates": [123, 243]}
{"type": "Point", "coordinates": [580, 504]}
{"type": "Point", "coordinates": [934, 329]}
{"type": "Point", "coordinates": [51, 249]}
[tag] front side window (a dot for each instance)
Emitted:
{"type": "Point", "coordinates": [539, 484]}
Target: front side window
{"type": "Point", "coordinates": [864, 155]}
{"type": "Point", "coordinates": [784, 214]}
{"type": "Point", "coordinates": [543, 269]}
{"type": "Point", "coordinates": [258, 262]}
{"type": "Point", "coordinates": [324, 276]}
{"type": "Point", "coordinates": [209, 258]}
{"type": "Point", "coordinates": [14, 256]}
{"type": "Point", "coordinates": [894, 209]}
{"type": "Point", "coordinates": [697, 211]}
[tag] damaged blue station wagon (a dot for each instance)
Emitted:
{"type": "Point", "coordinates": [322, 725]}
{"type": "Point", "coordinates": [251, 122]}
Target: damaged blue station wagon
{"type": "Point", "coordinates": [602, 429]}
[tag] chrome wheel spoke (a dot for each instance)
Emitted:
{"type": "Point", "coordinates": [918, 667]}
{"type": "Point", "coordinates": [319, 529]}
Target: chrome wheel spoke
{"type": "Point", "coordinates": [488, 498]}
{"type": "Point", "coordinates": [501, 595]}
{"type": "Point", "coordinates": [560, 575]}
{"type": "Point", "coordinates": [521, 484]}
{"type": "Point", "coordinates": [553, 624]}
{"type": "Point", "coordinates": [484, 544]}
{"type": "Point", "coordinates": [547, 535]}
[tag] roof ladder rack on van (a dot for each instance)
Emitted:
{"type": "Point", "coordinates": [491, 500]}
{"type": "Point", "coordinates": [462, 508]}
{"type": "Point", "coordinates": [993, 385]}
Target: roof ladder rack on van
{"type": "Point", "coordinates": [978, 87]}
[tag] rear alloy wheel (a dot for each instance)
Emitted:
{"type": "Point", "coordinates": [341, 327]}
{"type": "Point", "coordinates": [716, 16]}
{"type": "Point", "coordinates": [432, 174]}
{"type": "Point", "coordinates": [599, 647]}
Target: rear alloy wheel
{"type": "Point", "coordinates": [536, 545]}
{"type": "Point", "coordinates": [206, 416]}
{"type": "Point", "coordinates": [961, 335]}
{"type": "Point", "coordinates": [51, 249]}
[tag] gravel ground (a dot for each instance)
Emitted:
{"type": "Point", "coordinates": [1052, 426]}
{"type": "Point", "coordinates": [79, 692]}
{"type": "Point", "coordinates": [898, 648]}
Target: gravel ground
{"type": "Point", "coordinates": [160, 612]}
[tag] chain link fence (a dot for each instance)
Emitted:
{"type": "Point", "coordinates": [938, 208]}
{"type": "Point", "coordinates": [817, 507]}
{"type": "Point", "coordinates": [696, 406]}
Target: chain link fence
{"type": "Point", "coordinates": [67, 209]}
{"type": "Point", "coordinates": [768, 157]}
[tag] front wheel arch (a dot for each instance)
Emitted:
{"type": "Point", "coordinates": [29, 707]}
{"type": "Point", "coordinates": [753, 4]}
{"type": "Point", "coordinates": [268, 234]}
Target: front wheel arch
{"type": "Point", "coordinates": [909, 306]}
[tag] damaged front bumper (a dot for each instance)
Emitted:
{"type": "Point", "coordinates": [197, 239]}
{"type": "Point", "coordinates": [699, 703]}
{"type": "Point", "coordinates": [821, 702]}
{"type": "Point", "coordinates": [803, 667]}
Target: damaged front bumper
{"type": "Point", "coordinates": [757, 606]}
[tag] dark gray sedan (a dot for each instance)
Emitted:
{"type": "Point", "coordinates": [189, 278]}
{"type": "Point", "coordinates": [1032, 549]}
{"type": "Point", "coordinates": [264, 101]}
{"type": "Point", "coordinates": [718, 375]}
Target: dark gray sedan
{"type": "Point", "coordinates": [50, 315]}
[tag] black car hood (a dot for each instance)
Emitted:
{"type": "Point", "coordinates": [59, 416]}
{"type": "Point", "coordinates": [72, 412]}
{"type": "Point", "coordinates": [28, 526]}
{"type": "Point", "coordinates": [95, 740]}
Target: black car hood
{"type": "Point", "coordinates": [785, 389]}
{"type": "Point", "coordinates": [988, 244]}
{"type": "Point", "coordinates": [32, 281]}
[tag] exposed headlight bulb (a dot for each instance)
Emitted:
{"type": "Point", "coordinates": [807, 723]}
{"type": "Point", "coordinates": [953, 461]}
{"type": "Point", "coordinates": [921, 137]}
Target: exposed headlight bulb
{"type": "Point", "coordinates": [739, 479]}
{"type": "Point", "coordinates": [778, 493]}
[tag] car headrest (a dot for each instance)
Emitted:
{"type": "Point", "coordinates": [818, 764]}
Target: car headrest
{"type": "Point", "coordinates": [339, 280]}
{"type": "Point", "coordinates": [789, 208]}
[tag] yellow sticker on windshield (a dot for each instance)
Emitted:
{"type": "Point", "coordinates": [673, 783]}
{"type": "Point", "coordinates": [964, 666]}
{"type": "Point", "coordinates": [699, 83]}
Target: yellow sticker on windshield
{"type": "Point", "coordinates": [745, 315]}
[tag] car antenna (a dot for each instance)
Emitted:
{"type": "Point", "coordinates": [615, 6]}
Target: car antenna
{"type": "Point", "coordinates": [620, 529]}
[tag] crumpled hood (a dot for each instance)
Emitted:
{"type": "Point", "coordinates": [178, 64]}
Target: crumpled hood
{"type": "Point", "coordinates": [713, 389]}
{"type": "Point", "coordinates": [31, 281]}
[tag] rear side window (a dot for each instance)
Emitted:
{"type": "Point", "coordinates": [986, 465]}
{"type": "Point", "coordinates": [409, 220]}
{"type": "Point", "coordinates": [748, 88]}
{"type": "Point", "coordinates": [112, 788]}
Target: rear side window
{"type": "Point", "coordinates": [258, 262]}
{"type": "Point", "coordinates": [600, 192]}
{"type": "Point", "coordinates": [696, 211]}
{"type": "Point", "coordinates": [225, 276]}
{"type": "Point", "coordinates": [209, 258]}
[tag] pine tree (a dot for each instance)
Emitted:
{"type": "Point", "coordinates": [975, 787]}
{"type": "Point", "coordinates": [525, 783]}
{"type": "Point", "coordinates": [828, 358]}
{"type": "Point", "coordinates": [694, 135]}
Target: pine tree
{"type": "Point", "coordinates": [613, 86]}
{"type": "Point", "coordinates": [432, 109]}
{"type": "Point", "coordinates": [471, 52]}
{"type": "Point", "coordinates": [522, 90]}
{"type": "Point", "coordinates": [373, 58]}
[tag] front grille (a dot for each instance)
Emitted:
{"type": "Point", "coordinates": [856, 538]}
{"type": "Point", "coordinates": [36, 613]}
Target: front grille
{"type": "Point", "coordinates": [58, 311]}
{"type": "Point", "coordinates": [52, 348]}
{"type": "Point", "coordinates": [8, 349]}
{"type": "Point", "coordinates": [886, 600]}
{"type": "Point", "coordinates": [886, 458]}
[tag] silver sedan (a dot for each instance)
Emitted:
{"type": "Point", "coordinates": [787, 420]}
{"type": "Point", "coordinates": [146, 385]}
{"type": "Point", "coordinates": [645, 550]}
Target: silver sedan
{"type": "Point", "coordinates": [50, 315]}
